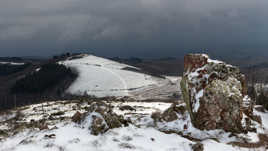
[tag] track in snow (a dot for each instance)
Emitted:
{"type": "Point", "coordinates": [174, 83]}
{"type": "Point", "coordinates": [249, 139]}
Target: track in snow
{"type": "Point", "coordinates": [102, 77]}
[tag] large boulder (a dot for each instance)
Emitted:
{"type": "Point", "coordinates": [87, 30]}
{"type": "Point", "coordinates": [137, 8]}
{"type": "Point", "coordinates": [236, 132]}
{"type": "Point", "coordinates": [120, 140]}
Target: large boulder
{"type": "Point", "coordinates": [215, 94]}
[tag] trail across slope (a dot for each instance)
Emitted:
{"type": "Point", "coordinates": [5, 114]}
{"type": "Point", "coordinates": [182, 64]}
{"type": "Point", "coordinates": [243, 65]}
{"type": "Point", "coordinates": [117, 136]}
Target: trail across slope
{"type": "Point", "coordinates": [102, 77]}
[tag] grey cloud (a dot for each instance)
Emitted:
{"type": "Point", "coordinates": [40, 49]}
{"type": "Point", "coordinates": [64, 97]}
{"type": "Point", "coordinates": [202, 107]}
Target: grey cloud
{"type": "Point", "coordinates": [131, 27]}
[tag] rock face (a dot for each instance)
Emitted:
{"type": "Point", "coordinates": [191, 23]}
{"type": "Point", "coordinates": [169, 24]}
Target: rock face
{"type": "Point", "coordinates": [214, 93]}
{"type": "Point", "coordinates": [100, 118]}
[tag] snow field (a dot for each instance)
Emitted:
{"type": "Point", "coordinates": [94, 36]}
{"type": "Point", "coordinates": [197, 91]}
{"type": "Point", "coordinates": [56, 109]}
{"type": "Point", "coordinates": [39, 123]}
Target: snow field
{"type": "Point", "coordinates": [145, 137]}
{"type": "Point", "coordinates": [102, 77]}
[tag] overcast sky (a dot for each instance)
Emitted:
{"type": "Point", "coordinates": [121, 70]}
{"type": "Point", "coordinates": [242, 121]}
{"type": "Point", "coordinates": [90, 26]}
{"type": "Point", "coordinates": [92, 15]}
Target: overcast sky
{"type": "Point", "coordinates": [144, 28]}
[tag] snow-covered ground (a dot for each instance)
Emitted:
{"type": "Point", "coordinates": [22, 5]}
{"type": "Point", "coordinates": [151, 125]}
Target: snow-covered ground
{"type": "Point", "coordinates": [103, 77]}
{"type": "Point", "coordinates": [12, 63]}
{"type": "Point", "coordinates": [142, 135]}
{"type": "Point", "coordinates": [72, 138]}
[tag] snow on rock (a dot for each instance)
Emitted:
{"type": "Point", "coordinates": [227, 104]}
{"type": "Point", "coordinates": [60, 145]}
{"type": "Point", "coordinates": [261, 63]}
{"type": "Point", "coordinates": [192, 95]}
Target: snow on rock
{"type": "Point", "coordinates": [197, 98]}
{"type": "Point", "coordinates": [103, 77]}
{"type": "Point", "coordinates": [215, 94]}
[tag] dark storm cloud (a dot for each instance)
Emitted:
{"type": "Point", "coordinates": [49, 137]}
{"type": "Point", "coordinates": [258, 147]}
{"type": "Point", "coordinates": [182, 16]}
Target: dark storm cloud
{"type": "Point", "coordinates": [149, 28]}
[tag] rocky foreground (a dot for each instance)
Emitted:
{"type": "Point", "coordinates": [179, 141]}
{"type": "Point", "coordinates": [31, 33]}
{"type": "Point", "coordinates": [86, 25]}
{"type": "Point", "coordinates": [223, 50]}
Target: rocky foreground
{"type": "Point", "coordinates": [114, 125]}
{"type": "Point", "coordinates": [216, 114]}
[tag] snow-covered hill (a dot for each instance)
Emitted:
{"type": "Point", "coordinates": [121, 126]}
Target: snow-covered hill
{"type": "Point", "coordinates": [103, 77]}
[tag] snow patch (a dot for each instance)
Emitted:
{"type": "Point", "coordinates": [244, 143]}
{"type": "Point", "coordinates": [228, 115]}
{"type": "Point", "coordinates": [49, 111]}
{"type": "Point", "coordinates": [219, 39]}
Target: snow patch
{"type": "Point", "coordinates": [197, 98]}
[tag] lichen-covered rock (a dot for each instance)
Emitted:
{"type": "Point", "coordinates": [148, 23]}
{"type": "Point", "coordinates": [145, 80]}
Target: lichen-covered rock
{"type": "Point", "coordinates": [214, 93]}
{"type": "Point", "coordinates": [174, 112]}
{"type": "Point", "coordinates": [171, 114]}
{"type": "Point", "coordinates": [77, 117]}
{"type": "Point", "coordinates": [100, 118]}
{"type": "Point", "coordinates": [198, 147]}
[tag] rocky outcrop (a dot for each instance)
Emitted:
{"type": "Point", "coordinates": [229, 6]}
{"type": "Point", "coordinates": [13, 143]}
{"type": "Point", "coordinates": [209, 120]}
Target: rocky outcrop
{"type": "Point", "coordinates": [100, 118]}
{"type": "Point", "coordinates": [172, 113]}
{"type": "Point", "coordinates": [215, 94]}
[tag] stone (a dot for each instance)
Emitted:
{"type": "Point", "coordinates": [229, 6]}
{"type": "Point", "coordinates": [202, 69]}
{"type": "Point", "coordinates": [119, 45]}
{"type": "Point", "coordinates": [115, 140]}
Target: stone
{"type": "Point", "coordinates": [214, 93]}
{"type": "Point", "coordinates": [43, 127]}
{"type": "Point", "coordinates": [3, 133]}
{"type": "Point", "coordinates": [26, 141]}
{"type": "Point", "coordinates": [156, 116]}
{"type": "Point", "coordinates": [98, 125]}
{"type": "Point", "coordinates": [198, 147]}
{"type": "Point", "coordinates": [171, 114]}
{"type": "Point", "coordinates": [127, 107]}
{"type": "Point", "coordinates": [77, 117]}
{"type": "Point", "coordinates": [50, 136]}
{"type": "Point", "coordinates": [100, 118]}
{"type": "Point", "coordinates": [174, 112]}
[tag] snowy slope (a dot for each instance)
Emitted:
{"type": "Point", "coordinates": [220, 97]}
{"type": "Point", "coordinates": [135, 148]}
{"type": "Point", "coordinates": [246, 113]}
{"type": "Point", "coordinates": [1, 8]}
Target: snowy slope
{"type": "Point", "coordinates": [103, 77]}
{"type": "Point", "coordinates": [12, 63]}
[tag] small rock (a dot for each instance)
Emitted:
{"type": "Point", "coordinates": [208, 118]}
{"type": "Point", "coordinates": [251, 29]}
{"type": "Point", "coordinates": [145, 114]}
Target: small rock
{"type": "Point", "coordinates": [115, 140]}
{"type": "Point", "coordinates": [26, 141]}
{"type": "Point", "coordinates": [102, 118]}
{"type": "Point", "coordinates": [50, 136]}
{"type": "Point", "coordinates": [51, 118]}
{"type": "Point", "coordinates": [170, 114]}
{"type": "Point", "coordinates": [198, 147]}
{"type": "Point", "coordinates": [58, 113]}
{"type": "Point", "coordinates": [127, 138]}
{"type": "Point", "coordinates": [75, 141]}
{"type": "Point", "coordinates": [3, 133]}
{"type": "Point", "coordinates": [43, 127]}
{"type": "Point", "coordinates": [185, 127]}
{"type": "Point", "coordinates": [156, 116]}
{"type": "Point", "coordinates": [99, 126]}
{"type": "Point", "coordinates": [77, 117]}
{"type": "Point", "coordinates": [174, 112]}
{"type": "Point", "coordinates": [54, 128]}
{"type": "Point", "coordinates": [127, 107]}
{"type": "Point", "coordinates": [260, 109]}
{"type": "Point", "coordinates": [126, 146]}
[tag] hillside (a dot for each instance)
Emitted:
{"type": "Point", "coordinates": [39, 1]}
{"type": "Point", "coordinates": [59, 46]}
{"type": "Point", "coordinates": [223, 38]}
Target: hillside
{"type": "Point", "coordinates": [103, 77]}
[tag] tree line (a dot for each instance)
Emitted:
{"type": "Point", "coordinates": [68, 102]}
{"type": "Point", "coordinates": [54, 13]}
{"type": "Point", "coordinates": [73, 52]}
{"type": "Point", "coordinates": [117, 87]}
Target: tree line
{"type": "Point", "coordinates": [47, 83]}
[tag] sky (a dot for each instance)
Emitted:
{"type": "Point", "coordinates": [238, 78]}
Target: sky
{"type": "Point", "coordinates": [142, 28]}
